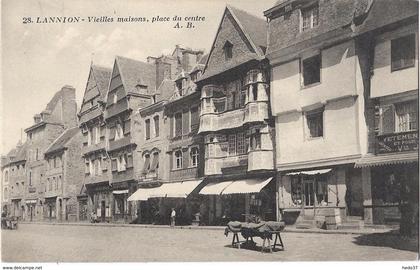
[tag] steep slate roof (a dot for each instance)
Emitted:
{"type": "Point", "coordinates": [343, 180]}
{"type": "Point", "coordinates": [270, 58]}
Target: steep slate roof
{"type": "Point", "coordinates": [135, 72]}
{"type": "Point", "coordinates": [165, 90]}
{"type": "Point", "coordinates": [252, 25]}
{"type": "Point", "coordinates": [255, 31]}
{"type": "Point", "coordinates": [21, 154]}
{"type": "Point", "coordinates": [61, 142]}
{"type": "Point", "coordinates": [384, 12]}
{"type": "Point", "coordinates": [102, 77]}
{"type": "Point", "coordinates": [336, 18]}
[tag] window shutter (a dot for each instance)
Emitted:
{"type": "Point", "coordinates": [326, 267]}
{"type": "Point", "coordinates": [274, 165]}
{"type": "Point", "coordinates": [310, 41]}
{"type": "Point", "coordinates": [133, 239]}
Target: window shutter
{"type": "Point", "coordinates": [185, 159]}
{"type": "Point", "coordinates": [171, 127]}
{"type": "Point", "coordinates": [113, 164]}
{"type": "Point", "coordinates": [104, 163]}
{"type": "Point", "coordinates": [127, 127]}
{"type": "Point", "coordinates": [112, 133]}
{"type": "Point", "coordinates": [388, 119]}
{"type": "Point", "coordinates": [185, 122]}
{"type": "Point", "coordinates": [377, 120]}
{"type": "Point", "coordinates": [129, 160]}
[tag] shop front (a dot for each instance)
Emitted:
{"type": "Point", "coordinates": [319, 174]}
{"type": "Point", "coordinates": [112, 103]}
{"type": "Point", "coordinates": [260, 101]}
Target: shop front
{"type": "Point", "coordinates": [240, 200]}
{"type": "Point", "coordinates": [155, 203]}
{"type": "Point", "coordinates": [324, 197]}
{"type": "Point", "coordinates": [50, 211]}
{"type": "Point", "coordinates": [123, 210]}
{"type": "Point", "coordinates": [100, 201]}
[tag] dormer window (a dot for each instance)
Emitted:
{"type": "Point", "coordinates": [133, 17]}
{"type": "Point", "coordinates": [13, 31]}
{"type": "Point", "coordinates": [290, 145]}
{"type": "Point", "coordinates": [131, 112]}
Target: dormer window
{"type": "Point", "coordinates": [227, 48]}
{"type": "Point", "coordinates": [309, 18]}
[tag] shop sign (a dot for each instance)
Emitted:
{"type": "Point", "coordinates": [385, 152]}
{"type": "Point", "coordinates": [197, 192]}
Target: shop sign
{"type": "Point", "coordinates": [398, 142]}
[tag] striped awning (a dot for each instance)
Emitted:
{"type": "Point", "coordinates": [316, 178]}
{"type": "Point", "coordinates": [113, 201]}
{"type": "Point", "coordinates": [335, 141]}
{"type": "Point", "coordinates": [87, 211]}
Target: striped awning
{"type": "Point", "coordinates": [379, 160]}
{"type": "Point", "coordinates": [168, 190]}
{"type": "Point", "coordinates": [215, 188]}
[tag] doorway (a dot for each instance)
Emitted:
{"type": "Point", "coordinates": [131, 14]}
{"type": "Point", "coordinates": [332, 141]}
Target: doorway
{"type": "Point", "coordinates": [103, 211]}
{"type": "Point", "coordinates": [308, 193]}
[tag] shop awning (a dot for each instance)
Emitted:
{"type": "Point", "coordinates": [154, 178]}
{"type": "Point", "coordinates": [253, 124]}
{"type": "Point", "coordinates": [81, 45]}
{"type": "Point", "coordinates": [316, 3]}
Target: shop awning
{"type": "Point", "coordinates": [142, 194]}
{"type": "Point", "coordinates": [214, 188]}
{"type": "Point", "coordinates": [378, 160]}
{"type": "Point", "coordinates": [169, 190]}
{"type": "Point", "coordinates": [120, 191]}
{"type": "Point", "coordinates": [176, 189]}
{"type": "Point", "coordinates": [313, 172]}
{"type": "Point", "coordinates": [246, 186]}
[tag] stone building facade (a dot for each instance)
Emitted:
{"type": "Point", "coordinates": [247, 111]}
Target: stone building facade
{"type": "Point", "coordinates": [59, 114]}
{"type": "Point", "coordinates": [96, 195]}
{"type": "Point", "coordinates": [14, 179]}
{"type": "Point", "coordinates": [323, 77]}
{"type": "Point", "coordinates": [236, 123]}
{"type": "Point", "coordinates": [64, 176]}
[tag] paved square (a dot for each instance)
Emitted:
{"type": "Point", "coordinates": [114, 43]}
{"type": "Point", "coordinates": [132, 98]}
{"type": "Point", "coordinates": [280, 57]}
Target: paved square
{"type": "Point", "coordinates": [64, 243]}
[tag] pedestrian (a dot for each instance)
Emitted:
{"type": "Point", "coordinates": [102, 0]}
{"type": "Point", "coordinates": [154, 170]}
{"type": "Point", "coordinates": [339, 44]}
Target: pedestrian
{"type": "Point", "coordinates": [173, 216]}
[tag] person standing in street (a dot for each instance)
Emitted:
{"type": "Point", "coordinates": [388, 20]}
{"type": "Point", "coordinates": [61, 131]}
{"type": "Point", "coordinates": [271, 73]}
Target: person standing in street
{"type": "Point", "coordinates": [173, 216]}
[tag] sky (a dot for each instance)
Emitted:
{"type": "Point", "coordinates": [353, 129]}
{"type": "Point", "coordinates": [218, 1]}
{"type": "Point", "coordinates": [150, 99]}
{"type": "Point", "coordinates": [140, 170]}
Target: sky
{"type": "Point", "coordinates": [38, 59]}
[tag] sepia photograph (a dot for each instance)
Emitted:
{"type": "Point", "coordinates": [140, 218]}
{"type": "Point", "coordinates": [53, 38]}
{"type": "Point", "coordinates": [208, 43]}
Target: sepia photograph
{"type": "Point", "coordinates": [206, 131]}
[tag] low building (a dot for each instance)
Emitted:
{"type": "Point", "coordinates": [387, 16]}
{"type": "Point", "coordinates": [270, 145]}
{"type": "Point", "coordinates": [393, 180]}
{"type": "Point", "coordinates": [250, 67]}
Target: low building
{"type": "Point", "coordinates": [63, 176]}
{"type": "Point", "coordinates": [14, 173]}
{"type": "Point", "coordinates": [59, 114]}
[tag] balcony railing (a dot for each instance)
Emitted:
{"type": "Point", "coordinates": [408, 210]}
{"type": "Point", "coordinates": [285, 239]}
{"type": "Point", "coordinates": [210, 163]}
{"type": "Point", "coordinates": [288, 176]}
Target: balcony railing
{"type": "Point", "coordinates": [31, 189]}
{"type": "Point", "coordinates": [114, 145]}
{"type": "Point", "coordinates": [252, 112]}
{"type": "Point", "coordinates": [93, 148]}
{"type": "Point", "coordinates": [185, 173]}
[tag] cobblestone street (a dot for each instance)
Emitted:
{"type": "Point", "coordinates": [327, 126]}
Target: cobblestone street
{"type": "Point", "coordinates": [64, 243]}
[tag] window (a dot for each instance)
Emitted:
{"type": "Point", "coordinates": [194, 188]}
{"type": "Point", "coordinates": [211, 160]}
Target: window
{"type": "Point", "coordinates": [37, 154]}
{"type": "Point", "coordinates": [309, 18]}
{"type": "Point", "coordinates": [147, 123]}
{"type": "Point", "coordinates": [121, 163]}
{"type": "Point", "coordinates": [91, 167]}
{"type": "Point", "coordinates": [255, 139]}
{"type": "Point", "coordinates": [97, 134]}
{"type": "Point", "coordinates": [403, 52]}
{"type": "Point", "coordinates": [195, 118]}
{"type": "Point", "coordinates": [119, 131]}
{"type": "Point", "coordinates": [90, 136]}
{"type": "Point", "coordinates": [227, 49]}
{"type": "Point", "coordinates": [30, 178]}
{"type": "Point", "coordinates": [87, 168]}
{"type": "Point", "coordinates": [314, 122]}
{"type": "Point", "coordinates": [178, 124]}
{"type": "Point", "coordinates": [311, 70]}
{"type": "Point", "coordinates": [146, 166]}
{"type": "Point", "coordinates": [232, 145]}
{"type": "Point", "coordinates": [155, 162]}
{"type": "Point", "coordinates": [156, 122]}
{"type": "Point", "coordinates": [115, 98]}
{"type": "Point", "coordinates": [178, 159]}
{"type": "Point", "coordinates": [406, 116]}
{"type": "Point", "coordinates": [194, 155]}
{"type": "Point", "coordinates": [241, 147]}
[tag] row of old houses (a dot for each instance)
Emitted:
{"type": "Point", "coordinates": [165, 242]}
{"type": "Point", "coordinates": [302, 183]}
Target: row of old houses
{"type": "Point", "coordinates": [309, 116]}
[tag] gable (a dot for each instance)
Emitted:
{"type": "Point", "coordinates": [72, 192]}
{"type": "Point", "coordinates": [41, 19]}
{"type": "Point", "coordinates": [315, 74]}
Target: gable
{"type": "Point", "coordinates": [242, 49]}
{"type": "Point", "coordinates": [115, 86]}
{"type": "Point", "coordinates": [92, 90]}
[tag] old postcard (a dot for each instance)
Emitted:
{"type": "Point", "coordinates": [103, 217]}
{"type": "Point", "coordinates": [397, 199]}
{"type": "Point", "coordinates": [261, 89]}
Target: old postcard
{"type": "Point", "coordinates": [209, 131]}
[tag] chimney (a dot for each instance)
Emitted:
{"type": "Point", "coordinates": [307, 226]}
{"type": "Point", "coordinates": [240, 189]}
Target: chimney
{"type": "Point", "coordinates": [68, 106]}
{"type": "Point", "coordinates": [151, 60]}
